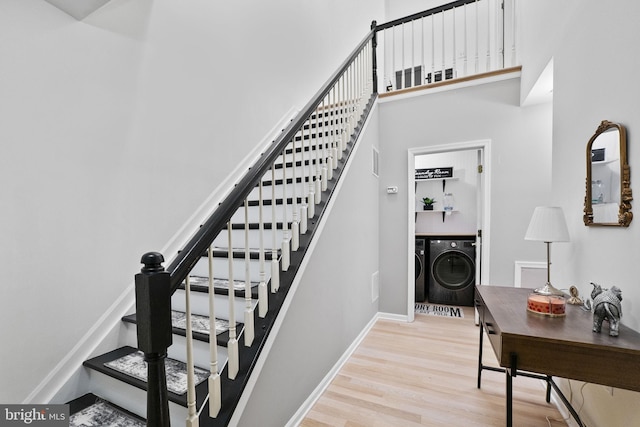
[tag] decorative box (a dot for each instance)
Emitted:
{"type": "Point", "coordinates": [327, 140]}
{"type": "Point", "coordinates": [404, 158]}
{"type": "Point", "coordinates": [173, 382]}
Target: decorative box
{"type": "Point", "coordinates": [547, 305]}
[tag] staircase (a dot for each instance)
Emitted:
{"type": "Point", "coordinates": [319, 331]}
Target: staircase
{"type": "Point", "coordinates": [254, 257]}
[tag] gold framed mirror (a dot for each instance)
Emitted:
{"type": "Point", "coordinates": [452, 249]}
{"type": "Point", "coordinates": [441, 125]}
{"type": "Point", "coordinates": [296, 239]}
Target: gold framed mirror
{"type": "Point", "coordinates": [608, 197]}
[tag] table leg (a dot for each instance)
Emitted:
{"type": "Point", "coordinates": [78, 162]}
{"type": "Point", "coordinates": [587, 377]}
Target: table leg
{"type": "Point", "coordinates": [509, 398]}
{"type": "Point", "coordinates": [480, 357]}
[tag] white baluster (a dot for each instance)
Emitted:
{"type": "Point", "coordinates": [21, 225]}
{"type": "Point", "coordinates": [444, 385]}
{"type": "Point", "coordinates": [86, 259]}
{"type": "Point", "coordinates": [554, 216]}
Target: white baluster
{"type": "Point", "coordinates": [275, 264]}
{"type": "Point", "coordinates": [454, 54]}
{"type": "Point", "coordinates": [318, 172]}
{"type": "Point", "coordinates": [393, 59]}
{"type": "Point", "coordinates": [323, 141]}
{"type": "Point", "coordinates": [233, 364]}
{"type": "Point", "coordinates": [338, 118]}
{"type": "Point", "coordinates": [443, 48]}
{"type": "Point", "coordinates": [192, 415]}
{"type": "Point", "coordinates": [477, 37]}
{"type": "Point", "coordinates": [311, 198]}
{"type": "Point", "coordinates": [249, 330]}
{"type": "Point", "coordinates": [286, 238]}
{"type": "Point", "coordinates": [403, 67]}
{"type": "Point", "coordinates": [341, 113]}
{"type": "Point", "coordinates": [263, 297]}
{"type": "Point", "coordinates": [422, 47]}
{"type": "Point", "coordinates": [334, 128]}
{"type": "Point", "coordinates": [295, 225]}
{"type": "Point", "coordinates": [304, 212]}
{"type": "Point", "coordinates": [433, 49]}
{"type": "Point", "coordinates": [513, 33]}
{"type": "Point", "coordinates": [488, 37]}
{"type": "Point", "coordinates": [464, 69]}
{"type": "Point", "coordinates": [215, 391]}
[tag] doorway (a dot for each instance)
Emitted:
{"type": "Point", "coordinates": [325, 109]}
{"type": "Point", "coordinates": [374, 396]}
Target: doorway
{"type": "Point", "coordinates": [453, 216]}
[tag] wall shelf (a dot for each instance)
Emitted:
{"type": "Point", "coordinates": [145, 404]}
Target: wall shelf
{"type": "Point", "coordinates": [442, 211]}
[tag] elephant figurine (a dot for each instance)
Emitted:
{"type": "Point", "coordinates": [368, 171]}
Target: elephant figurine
{"type": "Point", "coordinates": [606, 306]}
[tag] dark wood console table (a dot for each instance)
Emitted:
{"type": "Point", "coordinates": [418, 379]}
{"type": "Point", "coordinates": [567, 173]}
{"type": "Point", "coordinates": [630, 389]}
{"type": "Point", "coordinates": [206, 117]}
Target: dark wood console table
{"type": "Point", "coordinates": [542, 347]}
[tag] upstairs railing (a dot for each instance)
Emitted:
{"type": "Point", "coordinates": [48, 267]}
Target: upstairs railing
{"type": "Point", "coordinates": [268, 223]}
{"type": "Point", "coordinates": [458, 39]}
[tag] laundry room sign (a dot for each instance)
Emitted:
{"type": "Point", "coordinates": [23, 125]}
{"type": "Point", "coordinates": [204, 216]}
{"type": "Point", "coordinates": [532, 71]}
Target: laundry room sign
{"type": "Point", "coordinates": [434, 173]}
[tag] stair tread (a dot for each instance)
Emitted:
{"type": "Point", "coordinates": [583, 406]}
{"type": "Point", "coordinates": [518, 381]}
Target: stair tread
{"type": "Point", "coordinates": [91, 410]}
{"type": "Point", "coordinates": [127, 365]}
{"type": "Point", "coordinates": [199, 325]}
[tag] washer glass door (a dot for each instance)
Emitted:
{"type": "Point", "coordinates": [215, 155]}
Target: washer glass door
{"type": "Point", "coordinates": [453, 270]}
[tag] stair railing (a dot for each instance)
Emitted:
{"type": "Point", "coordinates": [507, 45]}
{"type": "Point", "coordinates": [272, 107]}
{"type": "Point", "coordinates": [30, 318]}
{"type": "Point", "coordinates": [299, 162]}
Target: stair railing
{"type": "Point", "coordinates": [310, 147]}
{"type": "Point", "coordinates": [451, 41]}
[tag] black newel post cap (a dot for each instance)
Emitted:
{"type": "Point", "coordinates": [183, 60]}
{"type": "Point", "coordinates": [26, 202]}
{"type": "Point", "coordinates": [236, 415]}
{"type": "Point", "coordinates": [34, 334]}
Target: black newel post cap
{"type": "Point", "coordinates": [153, 305]}
{"type": "Point", "coordinates": [152, 262]}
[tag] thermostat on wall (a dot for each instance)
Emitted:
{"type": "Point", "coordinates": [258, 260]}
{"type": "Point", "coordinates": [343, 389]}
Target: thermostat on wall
{"type": "Point", "coordinates": [392, 190]}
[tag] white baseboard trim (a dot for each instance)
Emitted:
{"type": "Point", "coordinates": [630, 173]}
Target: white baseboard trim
{"type": "Point", "coordinates": [87, 345]}
{"type": "Point", "coordinates": [297, 418]}
{"type": "Point", "coordinates": [392, 316]}
{"type": "Point", "coordinates": [64, 370]}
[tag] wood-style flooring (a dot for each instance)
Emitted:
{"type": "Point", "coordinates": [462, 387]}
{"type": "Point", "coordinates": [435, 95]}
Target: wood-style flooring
{"type": "Point", "coordinates": [425, 374]}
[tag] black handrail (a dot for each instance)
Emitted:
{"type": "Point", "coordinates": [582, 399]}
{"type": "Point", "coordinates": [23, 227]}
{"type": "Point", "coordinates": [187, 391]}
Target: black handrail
{"type": "Point", "coordinates": [189, 256]}
{"type": "Point", "coordinates": [423, 14]}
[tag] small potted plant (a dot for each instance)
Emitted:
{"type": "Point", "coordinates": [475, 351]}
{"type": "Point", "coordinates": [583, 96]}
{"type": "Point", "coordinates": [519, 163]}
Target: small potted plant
{"type": "Point", "coordinates": [428, 203]}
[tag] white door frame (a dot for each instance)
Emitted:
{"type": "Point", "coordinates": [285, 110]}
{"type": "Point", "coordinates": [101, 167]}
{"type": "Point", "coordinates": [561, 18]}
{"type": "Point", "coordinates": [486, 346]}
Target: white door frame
{"type": "Point", "coordinates": [484, 214]}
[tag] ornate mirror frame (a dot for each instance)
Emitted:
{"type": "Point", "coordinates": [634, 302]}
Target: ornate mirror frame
{"type": "Point", "coordinates": [624, 202]}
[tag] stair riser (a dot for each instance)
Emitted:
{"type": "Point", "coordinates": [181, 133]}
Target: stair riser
{"type": "Point", "coordinates": [201, 355]}
{"type": "Point", "coordinates": [178, 349]}
{"type": "Point", "coordinates": [279, 191]}
{"type": "Point", "coordinates": [267, 214]}
{"type": "Point", "coordinates": [221, 269]}
{"type": "Point", "coordinates": [237, 239]}
{"type": "Point", "coordinates": [279, 173]}
{"type": "Point", "coordinates": [200, 305]}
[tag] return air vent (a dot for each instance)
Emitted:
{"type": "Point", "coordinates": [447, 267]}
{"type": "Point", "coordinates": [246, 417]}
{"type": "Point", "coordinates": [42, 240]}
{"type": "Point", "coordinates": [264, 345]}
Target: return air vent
{"type": "Point", "coordinates": [375, 165]}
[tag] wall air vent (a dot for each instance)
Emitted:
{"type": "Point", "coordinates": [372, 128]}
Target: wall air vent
{"type": "Point", "coordinates": [375, 168]}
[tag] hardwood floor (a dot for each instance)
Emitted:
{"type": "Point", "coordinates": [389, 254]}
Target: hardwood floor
{"type": "Point", "coordinates": [425, 374]}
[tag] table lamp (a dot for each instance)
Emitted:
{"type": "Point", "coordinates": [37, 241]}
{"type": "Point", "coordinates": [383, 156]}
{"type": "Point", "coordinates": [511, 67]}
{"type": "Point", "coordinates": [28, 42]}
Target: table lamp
{"type": "Point", "coordinates": [548, 225]}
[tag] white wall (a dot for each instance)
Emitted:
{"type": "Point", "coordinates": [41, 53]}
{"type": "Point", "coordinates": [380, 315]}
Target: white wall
{"type": "Point", "coordinates": [395, 9]}
{"type": "Point", "coordinates": [333, 302]}
{"type": "Point", "coordinates": [464, 188]}
{"type": "Point", "coordinates": [520, 148]}
{"type": "Point", "coordinates": [116, 128]}
{"type": "Point", "coordinates": [595, 78]}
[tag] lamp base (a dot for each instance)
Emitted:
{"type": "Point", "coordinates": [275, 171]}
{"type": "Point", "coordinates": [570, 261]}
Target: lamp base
{"type": "Point", "coordinates": [548, 289]}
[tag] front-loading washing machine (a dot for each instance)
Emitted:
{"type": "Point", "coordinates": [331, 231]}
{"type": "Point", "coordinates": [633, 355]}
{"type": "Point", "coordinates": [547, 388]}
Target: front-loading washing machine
{"type": "Point", "coordinates": [452, 271]}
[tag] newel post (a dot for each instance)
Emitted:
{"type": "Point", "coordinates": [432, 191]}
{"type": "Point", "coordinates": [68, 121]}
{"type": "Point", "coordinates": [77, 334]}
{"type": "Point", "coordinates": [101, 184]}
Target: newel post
{"type": "Point", "coordinates": [153, 314]}
{"type": "Point", "coordinates": [374, 58]}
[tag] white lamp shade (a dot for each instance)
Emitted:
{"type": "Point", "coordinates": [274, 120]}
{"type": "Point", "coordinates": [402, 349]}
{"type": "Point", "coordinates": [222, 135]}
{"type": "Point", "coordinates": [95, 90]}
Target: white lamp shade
{"type": "Point", "coordinates": [548, 225]}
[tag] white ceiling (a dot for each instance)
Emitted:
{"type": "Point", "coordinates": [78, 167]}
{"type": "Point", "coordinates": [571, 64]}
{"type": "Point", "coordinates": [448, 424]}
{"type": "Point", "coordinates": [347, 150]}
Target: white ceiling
{"type": "Point", "coordinates": [79, 9]}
